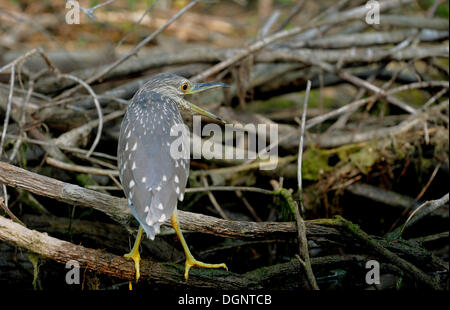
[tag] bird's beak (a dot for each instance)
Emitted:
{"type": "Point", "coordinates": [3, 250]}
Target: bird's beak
{"type": "Point", "coordinates": [200, 111]}
{"type": "Point", "coordinates": [199, 87]}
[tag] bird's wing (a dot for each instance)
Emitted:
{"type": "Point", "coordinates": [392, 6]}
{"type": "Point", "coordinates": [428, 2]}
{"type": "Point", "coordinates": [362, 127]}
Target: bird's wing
{"type": "Point", "coordinates": [151, 177]}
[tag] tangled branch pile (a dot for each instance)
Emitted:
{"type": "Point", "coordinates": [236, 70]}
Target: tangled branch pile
{"type": "Point", "coordinates": [375, 150]}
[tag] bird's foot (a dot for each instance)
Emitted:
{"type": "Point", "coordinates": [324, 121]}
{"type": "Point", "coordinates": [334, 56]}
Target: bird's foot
{"type": "Point", "coordinates": [134, 254]}
{"type": "Point", "coordinates": [192, 262]}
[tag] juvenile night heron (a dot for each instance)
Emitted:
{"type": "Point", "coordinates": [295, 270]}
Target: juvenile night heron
{"type": "Point", "coordinates": [153, 181]}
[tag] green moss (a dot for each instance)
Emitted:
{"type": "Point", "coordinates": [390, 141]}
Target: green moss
{"type": "Point", "coordinates": [399, 149]}
{"type": "Point", "coordinates": [350, 225]}
{"type": "Point", "coordinates": [85, 180]}
{"type": "Point", "coordinates": [314, 163]}
{"type": "Point", "coordinates": [345, 151]}
{"type": "Point", "coordinates": [426, 163]}
{"type": "Point", "coordinates": [364, 159]}
{"type": "Point", "coordinates": [314, 100]}
{"type": "Point", "coordinates": [287, 204]}
{"type": "Point", "coordinates": [23, 157]}
{"type": "Point", "coordinates": [444, 62]}
{"type": "Point", "coordinates": [415, 97]}
{"type": "Point", "coordinates": [34, 259]}
{"type": "Point", "coordinates": [270, 105]}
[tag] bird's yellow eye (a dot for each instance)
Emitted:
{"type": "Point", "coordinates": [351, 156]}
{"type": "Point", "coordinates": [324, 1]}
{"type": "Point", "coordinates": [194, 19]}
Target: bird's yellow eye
{"type": "Point", "coordinates": [184, 87]}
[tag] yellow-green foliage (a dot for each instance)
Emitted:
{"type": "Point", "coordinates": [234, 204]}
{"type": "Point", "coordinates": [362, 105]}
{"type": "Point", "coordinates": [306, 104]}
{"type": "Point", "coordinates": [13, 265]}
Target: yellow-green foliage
{"type": "Point", "coordinates": [84, 179]}
{"type": "Point", "coordinates": [314, 100]}
{"type": "Point", "coordinates": [415, 97]}
{"type": "Point", "coordinates": [315, 161]}
{"type": "Point", "coordinates": [364, 159]}
{"type": "Point", "coordinates": [270, 105]}
{"type": "Point", "coordinates": [34, 259]}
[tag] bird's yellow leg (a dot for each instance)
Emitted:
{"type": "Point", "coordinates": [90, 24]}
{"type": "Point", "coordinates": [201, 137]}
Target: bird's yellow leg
{"type": "Point", "coordinates": [134, 253]}
{"type": "Point", "coordinates": [190, 260]}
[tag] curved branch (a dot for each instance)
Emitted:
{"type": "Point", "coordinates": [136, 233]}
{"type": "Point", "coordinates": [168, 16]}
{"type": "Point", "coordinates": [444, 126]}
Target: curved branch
{"type": "Point", "coordinates": [120, 267]}
{"type": "Point", "coordinates": [118, 210]}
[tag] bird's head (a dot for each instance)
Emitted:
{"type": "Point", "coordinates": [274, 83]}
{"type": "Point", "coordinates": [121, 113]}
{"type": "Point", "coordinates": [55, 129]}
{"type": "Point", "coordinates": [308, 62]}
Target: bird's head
{"type": "Point", "coordinates": [177, 87]}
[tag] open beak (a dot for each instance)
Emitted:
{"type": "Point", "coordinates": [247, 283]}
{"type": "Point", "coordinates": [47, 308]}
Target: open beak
{"type": "Point", "coordinates": [199, 87]}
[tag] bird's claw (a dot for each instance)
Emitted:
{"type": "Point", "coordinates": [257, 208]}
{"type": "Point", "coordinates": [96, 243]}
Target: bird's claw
{"type": "Point", "coordinates": [137, 259]}
{"type": "Point", "coordinates": [192, 262]}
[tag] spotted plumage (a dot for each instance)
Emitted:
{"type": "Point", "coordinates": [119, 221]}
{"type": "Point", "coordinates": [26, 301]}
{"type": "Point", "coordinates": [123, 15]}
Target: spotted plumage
{"type": "Point", "coordinates": [152, 168]}
{"type": "Point", "coordinates": [151, 178]}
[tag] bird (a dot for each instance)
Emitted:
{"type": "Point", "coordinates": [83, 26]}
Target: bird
{"type": "Point", "coordinates": [153, 180]}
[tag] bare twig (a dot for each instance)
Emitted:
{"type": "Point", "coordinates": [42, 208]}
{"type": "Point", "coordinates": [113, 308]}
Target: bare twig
{"type": "Point", "coordinates": [259, 45]}
{"type": "Point", "coordinates": [136, 24]}
{"type": "Point", "coordinates": [214, 201]}
{"type": "Point", "coordinates": [265, 30]}
{"type": "Point", "coordinates": [117, 208]}
{"type": "Point", "coordinates": [229, 188]}
{"type": "Point", "coordinates": [295, 10]}
{"type": "Point", "coordinates": [82, 169]}
{"type": "Point", "coordinates": [22, 120]}
{"type": "Point", "coordinates": [425, 209]}
{"type": "Point", "coordinates": [359, 82]}
{"type": "Point", "coordinates": [302, 134]}
{"type": "Point", "coordinates": [380, 195]}
{"type": "Point", "coordinates": [8, 108]}
{"type": "Point", "coordinates": [10, 214]}
{"type": "Point", "coordinates": [424, 189]}
{"type": "Point", "coordinates": [435, 97]}
{"type": "Point", "coordinates": [98, 107]}
{"type": "Point", "coordinates": [63, 147]}
{"type": "Point", "coordinates": [359, 103]}
{"type": "Point", "coordinates": [248, 206]}
{"type": "Point", "coordinates": [73, 137]}
{"type": "Point", "coordinates": [303, 242]}
{"type": "Point", "coordinates": [409, 269]}
{"type": "Point", "coordinates": [155, 272]}
{"type": "Point", "coordinates": [134, 51]}
{"type": "Point", "coordinates": [416, 22]}
{"type": "Point", "coordinates": [90, 11]}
